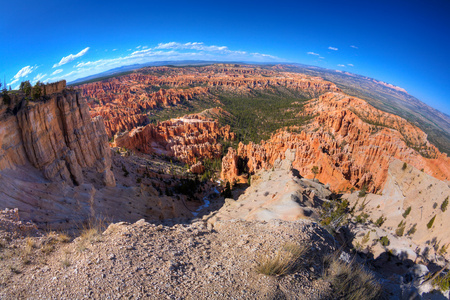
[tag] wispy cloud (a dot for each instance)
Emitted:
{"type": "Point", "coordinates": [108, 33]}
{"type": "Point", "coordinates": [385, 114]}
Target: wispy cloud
{"type": "Point", "coordinates": [172, 51]}
{"type": "Point", "coordinates": [351, 65]}
{"type": "Point", "coordinates": [341, 65]}
{"type": "Point", "coordinates": [71, 57]}
{"type": "Point", "coordinates": [354, 47]}
{"type": "Point", "coordinates": [114, 49]}
{"type": "Point", "coordinates": [313, 53]}
{"type": "Point", "coordinates": [56, 72]}
{"type": "Point", "coordinates": [333, 48]}
{"type": "Point", "coordinates": [24, 72]}
{"type": "Point", "coordinates": [191, 45]}
{"type": "Point", "coordinates": [39, 77]}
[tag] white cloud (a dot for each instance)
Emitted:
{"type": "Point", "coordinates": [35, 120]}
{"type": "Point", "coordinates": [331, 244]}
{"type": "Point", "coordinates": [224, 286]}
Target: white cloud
{"type": "Point", "coordinates": [24, 72]}
{"type": "Point", "coordinates": [341, 65]}
{"type": "Point", "coordinates": [56, 72]}
{"type": "Point", "coordinates": [333, 48]}
{"type": "Point", "coordinates": [84, 64]}
{"type": "Point", "coordinates": [114, 49]}
{"type": "Point", "coordinates": [321, 57]}
{"type": "Point", "coordinates": [172, 51]}
{"type": "Point", "coordinates": [351, 65]}
{"type": "Point", "coordinates": [39, 77]}
{"type": "Point", "coordinates": [144, 47]}
{"type": "Point", "coordinates": [354, 47]}
{"type": "Point", "coordinates": [312, 53]}
{"type": "Point", "coordinates": [191, 46]}
{"type": "Point", "coordinates": [71, 57]}
{"type": "Point", "coordinates": [138, 47]}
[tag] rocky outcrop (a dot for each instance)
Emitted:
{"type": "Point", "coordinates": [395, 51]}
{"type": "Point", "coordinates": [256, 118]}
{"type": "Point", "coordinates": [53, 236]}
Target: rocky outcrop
{"type": "Point", "coordinates": [56, 136]}
{"type": "Point", "coordinates": [197, 168]}
{"type": "Point", "coordinates": [409, 200]}
{"type": "Point", "coordinates": [56, 168]}
{"type": "Point", "coordinates": [188, 138]}
{"type": "Point", "coordinates": [276, 194]}
{"type": "Point", "coordinates": [124, 102]}
{"type": "Point", "coordinates": [350, 142]}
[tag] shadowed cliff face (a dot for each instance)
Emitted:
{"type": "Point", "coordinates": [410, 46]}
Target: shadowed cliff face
{"type": "Point", "coordinates": [56, 168]}
{"type": "Point", "coordinates": [58, 137]}
{"type": "Point", "coordinates": [351, 142]}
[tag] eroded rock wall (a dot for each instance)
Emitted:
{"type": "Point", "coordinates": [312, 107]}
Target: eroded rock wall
{"type": "Point", "coordinates": [350, 142]}
{"type": "Point", "coordinates": [57, 136]}
{"type": "Point", "coordinates": [188, 138]}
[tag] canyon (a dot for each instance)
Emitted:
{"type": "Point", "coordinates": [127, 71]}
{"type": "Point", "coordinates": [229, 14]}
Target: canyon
{"type": "Point", "coordinates": [165, 158]}
{"type": "Point", "coordinates": [351, 143]}
{"type": "Point", "coordinates": [57, 168]}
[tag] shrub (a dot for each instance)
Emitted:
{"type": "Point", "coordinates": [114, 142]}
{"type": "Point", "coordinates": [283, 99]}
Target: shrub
{"type": "Point", "coordinates": [37, 91]}
{"type": "Point", "coordinates": [363, 191]}
{"type": "Point", "coordinates": [404, 166]}
{"type": "Point", "coordinates": [315, 170]}
{"type": "Point", "coordinates": [412, 230]}
{"type": "Point", "coordinates": [351, 281]}
{"type": "Point", "coordinates": [366, 238]}
{"type": "Point", "coordinates": [443, 249]}
{"type": "Point", "coordinates": [442, 282]}
{"type": "Point", "coordinates": [444, 205]}
{"type": "Point", "coordinates": [380, 221]}
{"type": "Point", "coordinates": [384, 241]}
{"type": "Point", "coordinates": [227, 191]}
{"type": "Point", "coordinates": [362, 218]}
{"type": "Point", "coordinates": [430, 224]}
{"type": "Point", "coordinates": [6, 97]}
{"type": "Point", "coordinates": [125, 171]}
{"type": "Point", "coordinates": [284, 262]}
{"type": "Point", "coordinates": [399, 231]}
{"type": "Point", "coordinates": [406, 212]}
{"type": "Point", "coordinates": [333, 213]}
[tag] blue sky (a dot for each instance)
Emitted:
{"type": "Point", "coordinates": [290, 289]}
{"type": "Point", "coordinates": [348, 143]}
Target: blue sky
{"type": "Point", "coordinates": [405, 43]}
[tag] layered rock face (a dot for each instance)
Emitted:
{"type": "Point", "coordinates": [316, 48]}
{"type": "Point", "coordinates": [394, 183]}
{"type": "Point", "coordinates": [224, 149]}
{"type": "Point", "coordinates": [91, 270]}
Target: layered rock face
{"type": "Point", "coordinates": [125, 102]}
{"type": "Point", "coordinates": [56, 167]}
{"type": "Point", "coordinates": [350, 142]}
{"type": "Point", "coordinates": [58, 137]}
{"type": "Point", "coordinates": [188, 138]}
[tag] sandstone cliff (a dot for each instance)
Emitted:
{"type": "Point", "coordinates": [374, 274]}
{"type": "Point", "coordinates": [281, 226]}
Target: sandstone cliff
{"type": "Point", "coordinates": [126, 102]}
{"type": "Point", "coordinates": [57, 136]}
{"type": "Point", "coordinates": [350, 142]}
{"type": "Point", "coordinates": [188, 139]}
{"type": "Point", "coordinates": [56, 167]}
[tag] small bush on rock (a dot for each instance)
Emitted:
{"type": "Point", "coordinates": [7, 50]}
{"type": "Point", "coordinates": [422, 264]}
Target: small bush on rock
{"type": "Point", "coordinates": [350, 280]}
{"type": "Point", "coordinates": [444, 205]}
{"type": "Point", "coordinates": [430, 224]}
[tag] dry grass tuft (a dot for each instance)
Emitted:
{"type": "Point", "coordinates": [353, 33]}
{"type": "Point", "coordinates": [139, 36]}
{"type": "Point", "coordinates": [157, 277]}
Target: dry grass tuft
{"type": "Point", "coordinates": [63, 238]}
{"type": "Point", "coordinates": [66, 261]}
{"type": "Point", "coordinates": [285, 261]}
{"type": "Point", "coordinates": [351, 281]}
{"type": "Point", "coordinates": [91, 233]}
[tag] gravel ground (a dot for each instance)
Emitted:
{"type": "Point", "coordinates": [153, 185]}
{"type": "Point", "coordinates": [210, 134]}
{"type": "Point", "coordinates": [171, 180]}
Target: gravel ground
{"type": "Point", "coordinates": [181, 261]}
